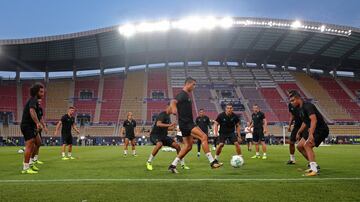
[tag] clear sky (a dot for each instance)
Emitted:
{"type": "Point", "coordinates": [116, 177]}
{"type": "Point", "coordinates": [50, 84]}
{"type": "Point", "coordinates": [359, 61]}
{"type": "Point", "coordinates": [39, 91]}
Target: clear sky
{"type": "Point", "coordinates": [30, 18]}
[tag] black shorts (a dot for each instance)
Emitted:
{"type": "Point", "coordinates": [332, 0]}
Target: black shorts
{"type": "Point", "coordinates": [186, 129]}
{"type": "Point", "coordinates": [258, 135]}
{"type": "Point", "coordinates": [166, 141]}
{"type": "Point", "coordinates": [248, 140]}
{"type": "Point", "coordinates": [232, 137]}
{"type": "Point", "coordinates": [28, 131]}
{"type": "Point", "coordinates": [320, 135]}
{"type": "Point", "coordinates": [294, 131]}
{"type": "Point", "coordinates": [130, 137]}
{"type": "Point", "coordinates": [66, 139]}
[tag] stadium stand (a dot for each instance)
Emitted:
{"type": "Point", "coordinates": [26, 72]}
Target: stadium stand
{"type": "Point", "coordinates": [327, 103]}
{"type": "Point", "coordinates": [85, 96]}
{"type": "Point", "coordinates": [340, 96]}
{"type": "Point", "coordinates": [57, 98]}
{"type": "Point", "coordinates": [111, 100]}
{"type": "Point", "coordinates": [8, 98]}
{"type": "Point", "coordinates": [133, 95]}
{"type": "Point", "coordinates": [157, 93]}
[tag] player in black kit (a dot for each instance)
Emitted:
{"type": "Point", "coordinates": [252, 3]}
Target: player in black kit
{"type": "Point", "coordinates": [317, 130]}
{"type": "Point", "coordinates": [182, 107]}
{"type": "Point", "coordinates": [259, 125]}
{"type": "Point", "coordinates": [159, 136]}
{"type": "Point", "coordinates": [204, 124]}
{"type": "Point", "coordinates": [229, 130]}
{"type": "Point", "coordinates": [35, 155]}
{"type": "Point", "coordinates": [30, 126]}
{"type": "Point", "coordinates": [67, 122]}
{"type": "Point", "coordinates": [129, 128]}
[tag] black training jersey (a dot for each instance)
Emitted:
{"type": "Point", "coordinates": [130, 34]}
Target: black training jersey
{"type": "Point", "coordinates": [40, 113]}
{"type": "Point", "coordinates": [204, 123]}
{"type": "Point", "coordinates": [162, 131]}
{"type": "Point", "coordinates": [129, 127]}
{"type": "Point", "coordinates": [295, 111]}
{"type": "Point", "coordinates": [184, 108]}
{"type": "Point", "coordinates": [308, 109]}
{"type": "Point", "coordinates": [258, 120]}
{"type": "Point", "coordinates": [67, 123]}
{"type": "Point", "coordinates": [26, 117]}
{"type": "Point", "coordinates": [227, 122]}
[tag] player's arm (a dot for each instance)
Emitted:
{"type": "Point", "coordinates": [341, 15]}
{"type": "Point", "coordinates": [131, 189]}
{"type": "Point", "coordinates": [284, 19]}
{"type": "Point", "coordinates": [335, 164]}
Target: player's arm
{"type": "Point", "coordinates": [122, 131]}
{"type": "Point", "coordinates": [44, 125]}
{"type": "Point", "coordinates": [76, 128]}
{"type": "Point", "coordinates": [238, 129]}
{"type": "Point", "coordinates": [216, 128]}
{"type": "Point", "coordinates": [313, 121]}
{"type": "Point", "coordinates": [251, 124]}
{"type": "Point", "coordinates": [301, 129]}
{"type": "Point", "coordinates": [291, 121]}
{"type": "Point", "coordinates": [163, 125]}
{"type": "Point", "coordinates": [265, 125]}
{"type": "Point", "coordinates": [173, 106]}
{"type": "Point", "coordinates": [58, 125]}
{"type": "Point", "coordinates": [35, 118]}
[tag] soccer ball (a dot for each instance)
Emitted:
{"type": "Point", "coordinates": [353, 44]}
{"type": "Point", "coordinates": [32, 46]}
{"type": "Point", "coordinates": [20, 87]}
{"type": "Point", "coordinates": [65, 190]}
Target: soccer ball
{"type": "Point", "coordinates": [236, 161]}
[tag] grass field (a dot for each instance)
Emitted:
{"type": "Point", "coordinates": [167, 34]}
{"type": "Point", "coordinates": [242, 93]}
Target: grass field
{"type": "Point", "coordinates": [103, 174]}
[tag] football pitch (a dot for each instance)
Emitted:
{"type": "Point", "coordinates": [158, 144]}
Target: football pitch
{"type": "Point", "coordinates": [103, 174]}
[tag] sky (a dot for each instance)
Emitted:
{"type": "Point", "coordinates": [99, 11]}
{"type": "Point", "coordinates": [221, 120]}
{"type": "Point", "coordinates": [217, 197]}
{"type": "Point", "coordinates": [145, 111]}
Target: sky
{"type": "Point", "coordinates": [27, 18]}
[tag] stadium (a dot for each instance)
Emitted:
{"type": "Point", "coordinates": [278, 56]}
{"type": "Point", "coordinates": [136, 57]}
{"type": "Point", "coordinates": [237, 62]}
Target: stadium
{"type": "Point", "coordinates": [139, 67]}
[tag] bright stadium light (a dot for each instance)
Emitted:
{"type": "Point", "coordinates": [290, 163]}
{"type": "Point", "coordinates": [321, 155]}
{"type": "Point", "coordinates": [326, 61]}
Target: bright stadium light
{"type": "Point", "coordinates": [226, 22]}
{"type": "Point", "coordinates": [296, 24]}
{"type": "Point", "coordinates": [127, 30]}
{"type": "Point", "coordinates": [322, 28]}
{"type": "Point", "coordinates": [210, 22]}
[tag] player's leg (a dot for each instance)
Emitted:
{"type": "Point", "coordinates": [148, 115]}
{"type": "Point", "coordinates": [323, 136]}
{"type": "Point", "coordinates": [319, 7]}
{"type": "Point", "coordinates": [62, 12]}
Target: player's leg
{"type": "Point", "coordinates": [198, 142]}
{"type": "Point", "coordinates": [263, 147]}
{"type": "Point", "coordinates": [301, 149]}
{"type": "Point", "coordinates": [126, 143]}
{"type": "Point", "coordinates": [169, 142]}
{"type": "Point", "coordinates": [256, 139]}
{"type": "Point", "coordinates": [133, 143]}
{"type": "Point", "coordinates": [37, 148]}
{"type": "Point", "coordinates": [215, 142]}
{"type": "Point", "coordinates": [220, 146]}
{"type": "Point", "coordinates": [188, 141]}
{"type": "Point", "coordinates": [196, 132]}
{"type": "Point", "coordinates": [70, 151]}
{"type": "Point", "coordinates": [29, 148]}
{"type": "Point", "coordinates": [155, 150]}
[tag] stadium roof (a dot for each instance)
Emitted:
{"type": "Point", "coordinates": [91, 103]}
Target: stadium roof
{"type": "Point", "coordinates": [256, 40]}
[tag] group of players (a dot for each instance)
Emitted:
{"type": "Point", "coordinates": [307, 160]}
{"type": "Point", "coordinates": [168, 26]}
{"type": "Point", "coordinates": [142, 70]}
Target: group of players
{"type": "Point", "coordinates": [309, 130]}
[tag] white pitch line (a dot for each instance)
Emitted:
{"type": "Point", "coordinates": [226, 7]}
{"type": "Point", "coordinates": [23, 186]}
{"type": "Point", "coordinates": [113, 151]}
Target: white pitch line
{"type": "Point", "coordinates": [181, 180]}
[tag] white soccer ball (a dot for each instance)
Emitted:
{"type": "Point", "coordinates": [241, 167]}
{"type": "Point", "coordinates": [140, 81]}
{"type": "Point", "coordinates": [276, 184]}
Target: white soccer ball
{"type": "Point", "coordinates": [20, 151]}
{"type": "Point", "coordinates": [236, 161]}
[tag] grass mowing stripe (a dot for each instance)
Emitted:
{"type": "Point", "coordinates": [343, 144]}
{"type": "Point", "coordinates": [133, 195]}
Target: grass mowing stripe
{"type": "Point", "coordinates": [181, 180]}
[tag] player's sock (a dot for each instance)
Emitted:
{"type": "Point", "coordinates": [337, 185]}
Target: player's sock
{"type": "Point", "coordinates": [63, 154]}
{"type": "Point", "coordinates": [292, 157]}
{"type": "Point", "coordinates": [134, 152]}
{"type": "Point", "coordinates": [36, 157]}
{"type": "Point", "coordinates": [210, 157]}
{"type": "Point", "coordinates": [151, 157]}
{"type": "Point", "coordinates": [125, 152]}
{"type": "Point", "coordinates": [176, 161]}
{"type": "Point", "coordinates": [69, 154]}
{"type": "Point", "coordinates": [26, 166]}
{"type": "Point", "coordinates": [257, 154]}
{"type": "Point", "coordinates": [216, 157]}
{"type": "Point", "coordinates": [313, 166]}
{"type": "Point", "coordinates": [240, 155]}
{"type": "Point", "coordinates": [264, 154]}
{"type": "Point", "coordinates": [31, 161]}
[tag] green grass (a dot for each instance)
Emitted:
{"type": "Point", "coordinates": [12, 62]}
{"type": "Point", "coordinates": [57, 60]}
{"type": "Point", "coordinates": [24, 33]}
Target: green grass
{"type": "Point", "coordinates": [111, 177]}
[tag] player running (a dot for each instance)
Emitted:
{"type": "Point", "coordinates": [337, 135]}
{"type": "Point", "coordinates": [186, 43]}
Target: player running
{"type": "Point", "coordinates": [67, 123]}
{"type": "Point", "coordinates": [159, 137]}
{"type": "Point", "coordinates": [229, 130]}
{"type": "Point", "coordinates": [317, 132]}
{"type": "Point", "coordinates": [181, 106]}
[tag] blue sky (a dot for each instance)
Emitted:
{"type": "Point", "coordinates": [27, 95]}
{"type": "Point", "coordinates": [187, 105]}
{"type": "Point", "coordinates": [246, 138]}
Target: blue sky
{"type": "Point", "coordinates": [26, 18]}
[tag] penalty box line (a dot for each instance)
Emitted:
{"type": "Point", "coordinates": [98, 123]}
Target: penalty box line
{"type": "Point", "coordinates": [182, 180]}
